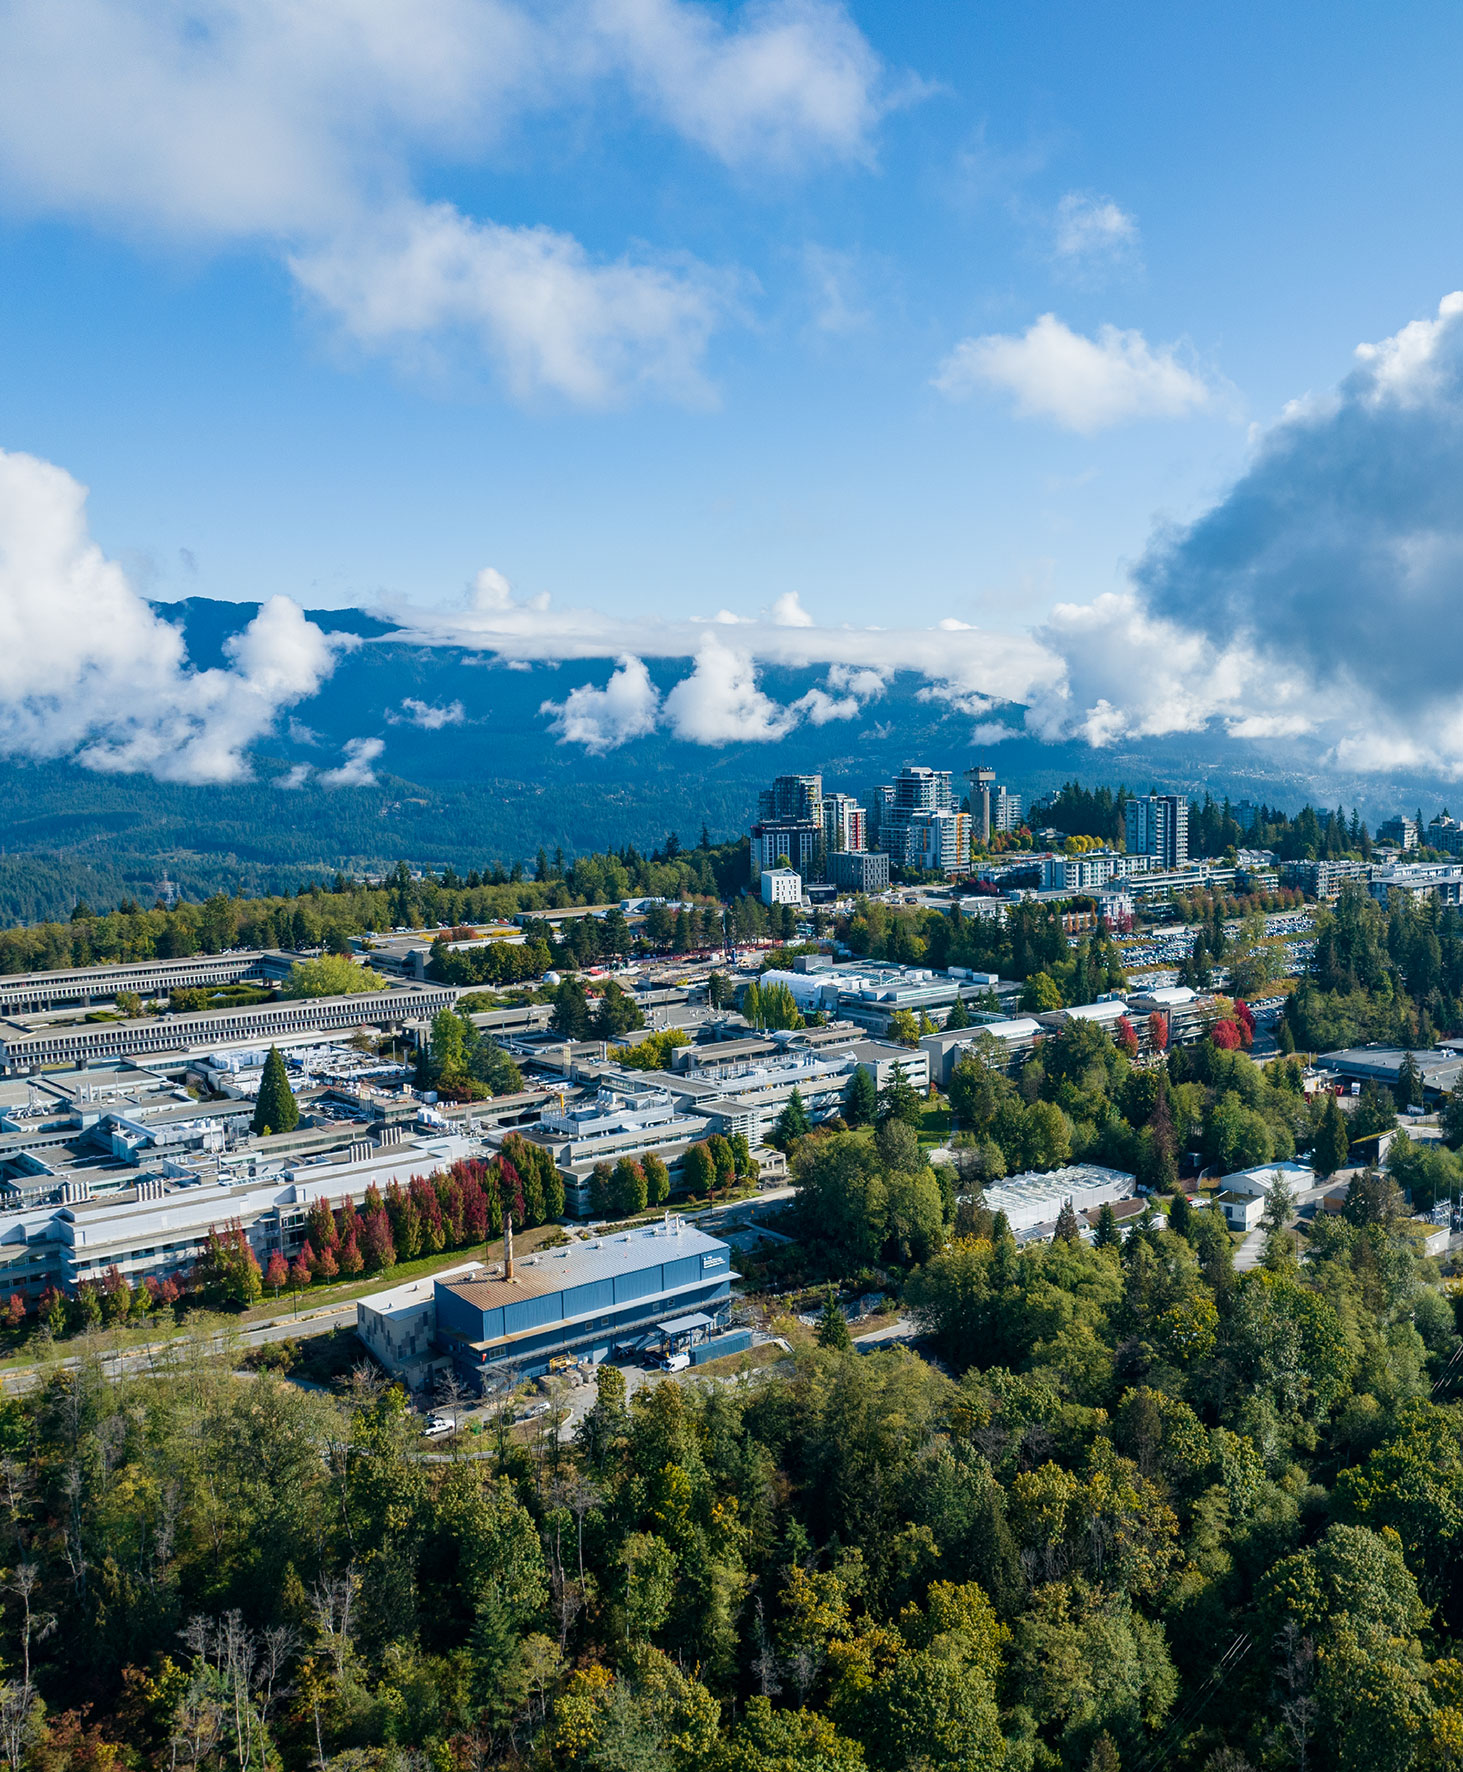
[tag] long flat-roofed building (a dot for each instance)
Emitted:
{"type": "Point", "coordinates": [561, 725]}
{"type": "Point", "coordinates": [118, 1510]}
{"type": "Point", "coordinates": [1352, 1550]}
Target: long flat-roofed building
{"type": "Point", "coordinates": [158, 1226]}
{"type": "Point", "coordinates": [25, 1048]}
{"type": "Point", "coordinates": [34, 991]}
{"type": "Point", "coordinates": [586, 1300]}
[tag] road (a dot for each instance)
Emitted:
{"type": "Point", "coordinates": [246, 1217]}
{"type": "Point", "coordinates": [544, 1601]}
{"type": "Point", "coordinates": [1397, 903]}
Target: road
{"type": "Point", "coordinates": [19, 1380]}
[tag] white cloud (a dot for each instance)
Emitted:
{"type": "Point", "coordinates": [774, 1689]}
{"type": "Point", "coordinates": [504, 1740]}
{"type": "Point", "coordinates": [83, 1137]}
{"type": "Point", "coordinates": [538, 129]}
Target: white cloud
{"type": "Point", "coordinates": [785, 80]}
{"type": "Point", "coordinates": [87, 669]}
{"type": "Point", "coordinates": [303, 128]}
{"type": "Point", "coordinates": [1082, 384]}
{"type": "Point", "coordinates": [1317, 600]}
{"type": "Point", "coordinates": [788, 612]}
{"type": "Point", "coordinates": [720, 703]}
{"type": "Point", "coordinates": [818, 707]}
{"type": "Point", "coordinates": [865, 684]}
{"type": "Point", "coordinates": [1088, 227]}
{"type": "Point", "coordinates": [530, 299]}
{"type": "Point", "coordinates": [1008, 667]}
{"type": "Point", "coordinates": [603, 719]}
{"type": "Point", "coordinates": [429, 717]}
{"type": "Point", "coordinates": [297, 776]}
{"type": "Point", "coordinates": [356, 771]}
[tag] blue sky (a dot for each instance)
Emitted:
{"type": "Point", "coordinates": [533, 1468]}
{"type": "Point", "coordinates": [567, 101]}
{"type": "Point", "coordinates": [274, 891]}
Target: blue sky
{"type": "Point", "coordinates": [275, 297]}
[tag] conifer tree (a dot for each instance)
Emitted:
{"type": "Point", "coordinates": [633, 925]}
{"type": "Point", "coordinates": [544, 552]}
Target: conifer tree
{"type": "Point", "coordinates": [959, 1016]}
{"type": "Point", "coordinates": [276, 1109]}
{"type": "Point", "coordinates": [861, 1103]}
{"type": "Point", "coordinates": [792, 1123]}
{"type": "Point", "coordinates": [1332, 1146]}
{"type": "Point", "coordinates": [833, 1326]}
{"type": "Point", "coordinates": [1067, 1230]}
{"type": "Point", "coordinates": [1107, 1236]}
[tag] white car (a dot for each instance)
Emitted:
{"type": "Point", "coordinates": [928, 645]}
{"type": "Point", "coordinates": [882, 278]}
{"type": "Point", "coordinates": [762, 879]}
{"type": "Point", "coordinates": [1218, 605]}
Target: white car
{"type": "Point", "coordinates": [534, 1410]}
{"type": "Point", "coordinates": [437, 1426]}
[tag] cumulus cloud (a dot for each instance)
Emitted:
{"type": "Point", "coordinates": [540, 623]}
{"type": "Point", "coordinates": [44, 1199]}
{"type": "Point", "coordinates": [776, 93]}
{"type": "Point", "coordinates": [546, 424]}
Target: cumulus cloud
{"type": "Point", "coordinates": [1088, 228]}
{"type": "Point", "coordinates": [89, 670]}
{"type": "Point", "coordinates": [356, 770]}
{"type": "Point", "coordinates": [1317, 599]}
{"type": "Point", "coordinates": [301, 129]}
{"type": "Point", "coordinates": [720, 703]}
{"type": "Point", "coordinates": [429, 717]}
{"type": "Point", "coordinates": [603, 719]}
{"type": "Point", "coordinates": [788, 612]}
{"type": "Point", "coordinates": [530, 299]}
{"type": "Point", "coordinates": [1082, 384]}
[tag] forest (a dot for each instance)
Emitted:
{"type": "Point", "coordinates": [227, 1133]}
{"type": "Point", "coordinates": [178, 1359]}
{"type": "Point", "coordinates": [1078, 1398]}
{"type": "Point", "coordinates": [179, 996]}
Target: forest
{"type": "Point", "coordinates": [1135, 1510]}
{"type": "Point", "coordinates": [1125, 1507]}
{"type": "Point", "coordinates": [331, 910]}
{"type": "Point", "coordinates": [1393, 975]}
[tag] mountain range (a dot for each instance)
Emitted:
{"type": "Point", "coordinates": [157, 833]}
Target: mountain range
{"type": "Point", "coordinates": [470, 772]}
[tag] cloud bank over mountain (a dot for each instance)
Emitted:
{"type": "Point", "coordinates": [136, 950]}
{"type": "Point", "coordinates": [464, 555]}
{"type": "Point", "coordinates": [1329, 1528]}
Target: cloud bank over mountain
{"type": "Point", "coordinates": [1315, 603]}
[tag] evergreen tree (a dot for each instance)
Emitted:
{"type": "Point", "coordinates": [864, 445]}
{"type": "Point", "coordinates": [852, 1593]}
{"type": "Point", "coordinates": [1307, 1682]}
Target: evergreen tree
{"type": "Point", "coordinates": [861, 1103]}
{"type": "Point", "coordinates": [1067, 1230]}
{"type": "Point", "coordinates": [792, 1123]}
{"type": "Point", "coordinates": [959, 1016]}
{"type": "Point", "coordinates": [1284, 1038]}
{"type": "Point", "coordinates": [570, 1019]}
{"type": "Point", "coordinates": [1180, 1213]}
{"type": "Point", "coordinates": [1107, 1227]}
{"type": "Point", "coordinates": [833, 1326]}
{"type": "Point", "coordinates": [900, 1100]}
{"type": "Point", "coordinates": [275, 1109]}
{"type": "Point", "coordinates": [1409, 1083]}
{"type": "Point", "coordinates": [1332, 1146]}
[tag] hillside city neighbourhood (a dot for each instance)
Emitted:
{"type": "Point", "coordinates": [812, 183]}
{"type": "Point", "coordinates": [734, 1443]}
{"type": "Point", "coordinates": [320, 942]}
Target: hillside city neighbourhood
{"type": "Point", "coordinates": [768, 1303]}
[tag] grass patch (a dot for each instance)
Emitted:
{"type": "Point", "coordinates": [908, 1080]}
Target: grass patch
{"type": "Point", "coordinates": [751, 1359]}
{"type": "Point", "coordinates": [936, 1123]}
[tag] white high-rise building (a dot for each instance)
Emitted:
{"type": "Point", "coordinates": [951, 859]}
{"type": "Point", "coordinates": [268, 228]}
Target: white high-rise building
{"type": "Point", "coordinates": [1158, 825]}
{"type": "Point", "coordinates": [845, 824]}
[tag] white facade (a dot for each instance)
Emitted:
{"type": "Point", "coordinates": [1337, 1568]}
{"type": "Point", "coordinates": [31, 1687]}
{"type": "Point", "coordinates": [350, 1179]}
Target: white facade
{"type": "Point", "coordinates": [781, 886]}
{"type": "Point", "coordinates": [1262, 1179]}
{"type": "Point", "coordinates": [1158, 825]}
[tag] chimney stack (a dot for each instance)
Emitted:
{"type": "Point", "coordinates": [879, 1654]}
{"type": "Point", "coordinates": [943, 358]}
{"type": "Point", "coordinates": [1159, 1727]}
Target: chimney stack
{"type": "Point", "coordinates": [508, 1247]}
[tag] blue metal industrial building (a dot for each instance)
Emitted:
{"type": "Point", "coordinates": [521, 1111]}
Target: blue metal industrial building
{"type": "Point", "coordinates": [588, 1300]}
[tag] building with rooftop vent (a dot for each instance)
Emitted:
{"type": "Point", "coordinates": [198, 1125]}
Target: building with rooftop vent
{"type": "Point", "coordinates": [588, 1301]}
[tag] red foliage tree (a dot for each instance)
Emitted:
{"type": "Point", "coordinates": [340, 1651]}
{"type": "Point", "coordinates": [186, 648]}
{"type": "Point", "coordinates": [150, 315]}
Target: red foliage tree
{"type": "Point", "coordinates": [1226, 1036]}
{"type": "Point", "coordinates": [14, 1311]}
{"type": "Point", "coordinates": [327, 1268]}
{"type": "Point", "coordinates": [379, 1250]}
{"type": "Point", "coordinates": [277, 1274]}
{"type": "Point", "coordinates": [1127, 1037]}
{"type": "Point", "coordinates": [299, 1273]}
{"type": "Point", "coordinates": [351, 1259]}
{"type": "Point", "coordinates": [1158, 1031]}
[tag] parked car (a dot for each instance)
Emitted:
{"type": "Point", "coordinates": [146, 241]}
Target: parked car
{"type": "Point", "coordinates": [437, 1425]}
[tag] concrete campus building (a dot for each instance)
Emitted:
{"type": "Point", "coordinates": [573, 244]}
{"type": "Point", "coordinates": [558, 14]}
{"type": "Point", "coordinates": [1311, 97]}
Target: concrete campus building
{"type": "Point", "coordinates": [158, 1226]}
{"type": "Point", "coordinates": [587, 1301]}
{"type": "Point", "coordinates": [29, 1048]}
